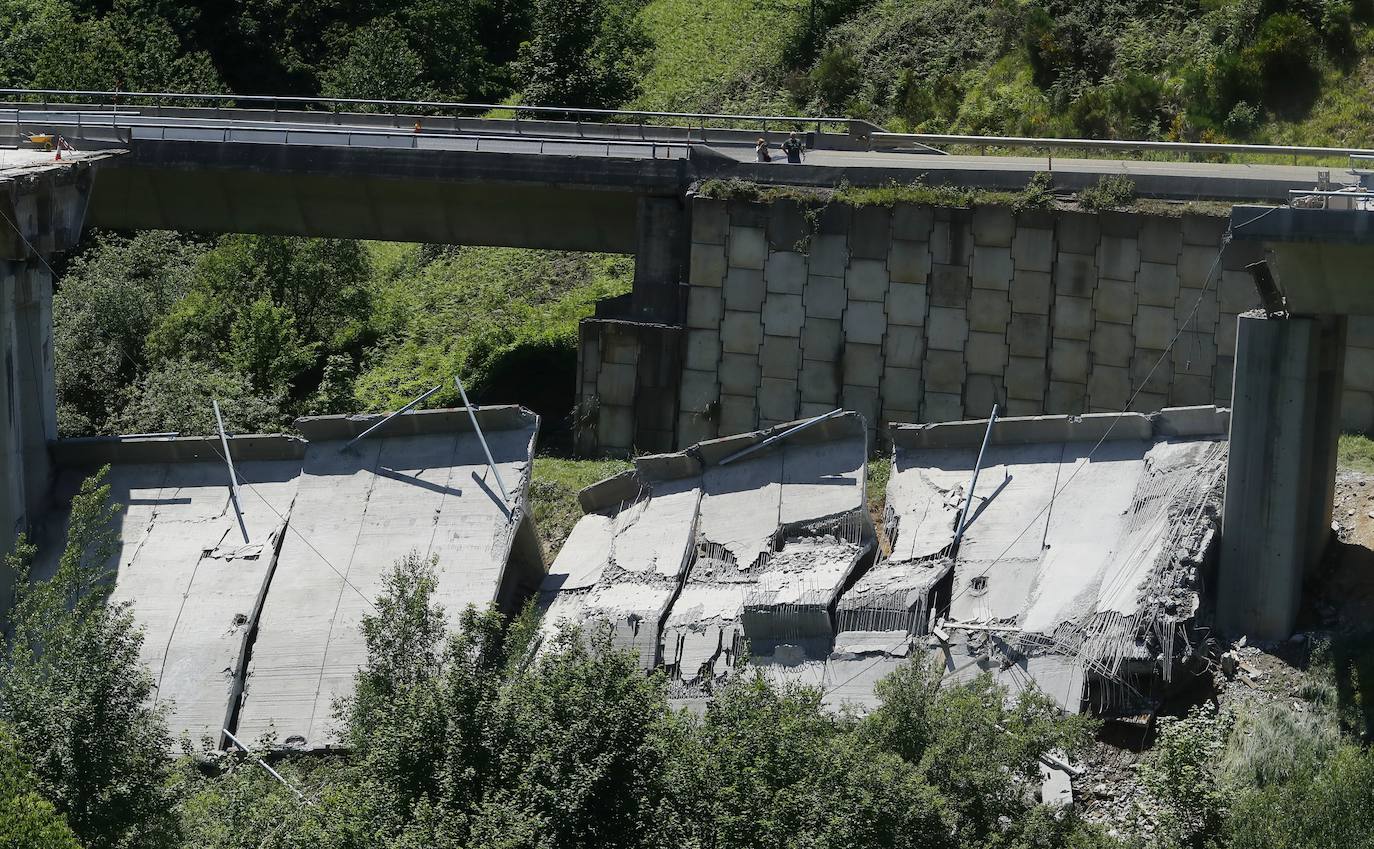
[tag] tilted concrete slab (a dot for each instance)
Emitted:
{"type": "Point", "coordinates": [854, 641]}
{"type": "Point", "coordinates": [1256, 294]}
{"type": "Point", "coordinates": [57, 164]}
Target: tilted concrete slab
{"type": "Point", "coordinates": [428, 492]}
{"type": "Point", "coordinates": [688, 559]}
{"type": "Point", "coordinates": [264, 638]}
{"type": "Point", "coordinates": [181, 565]}
{"type": "Point", "coordinates": [622, 566]}
{"type": "Point", "coordinates": [1079, 568]}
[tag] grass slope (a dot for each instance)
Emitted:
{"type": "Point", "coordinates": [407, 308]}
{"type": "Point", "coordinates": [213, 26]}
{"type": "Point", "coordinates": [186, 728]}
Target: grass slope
{"type": "Point", "coordinates": [718, 55]}
{"type": "Point", "coordinates": [479, 312]}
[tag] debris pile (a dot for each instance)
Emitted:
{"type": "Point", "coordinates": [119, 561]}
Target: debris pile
{"type": "Point", "coordinates": [765, 535]}
{"type": "Point", "coordinates": [1080, 566]}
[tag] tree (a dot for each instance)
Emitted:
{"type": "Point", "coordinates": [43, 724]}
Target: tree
{"type": "Point", "coordinates": [109, 298]}
{"type": "Point", "coordinates": [27, 820]}
{"type": "Point", "coordinates": [379, 64]}
{"type": "Point", "coordinates": [769, 768]}
{"type": "Point", "coordinates": [582, 53]}
{"type": "Point", "coordinates": [266, 348]}
{"type": "Point", "coordinates": [178, 395]}
{"type": "Point", "coordinates": [969, 742]}
{"type": "Point", "coordinates": [75, 694]}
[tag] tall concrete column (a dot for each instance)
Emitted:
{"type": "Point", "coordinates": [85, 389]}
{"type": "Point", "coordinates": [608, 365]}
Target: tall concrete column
{"type": "Point", "coordinates": [43, 215]}
{"type": "Point", "coordinates": [36, 387]}
{"type": "Point", "coordinates": [1285, 420]}
{"type": "Point", "coordinates": [660, 260]}
{"type": "Point", "coordinates": [13, 477]}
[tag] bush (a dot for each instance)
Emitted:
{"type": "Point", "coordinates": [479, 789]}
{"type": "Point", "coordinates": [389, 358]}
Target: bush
{"type": "Point", "coordinates": [835, 78]}
{"type": "Point", "coordinates": [1285, 53]}
{"type": "Point", "coordinates": [1038, 193]}
{"type": "Point", "coordinates": [27, 820]}
{"type": "Point", "coordinates": [1331, 807]}
{"type": "Point", "coordinates": [1181, 775]}
{"type": "Point", "coordinates": [1112, 191]}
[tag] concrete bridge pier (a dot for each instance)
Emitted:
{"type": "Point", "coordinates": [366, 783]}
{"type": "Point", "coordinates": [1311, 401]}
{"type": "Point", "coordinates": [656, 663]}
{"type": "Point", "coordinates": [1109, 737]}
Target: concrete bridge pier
{"type": "Point", "coordinates": [1285, 420]}
{"type": "Point", "coordinates": [1285, 417]}
{"type": "Point", "coordinates": [661, 241]}
{"type": "Point", "coordinates": [41, 214]}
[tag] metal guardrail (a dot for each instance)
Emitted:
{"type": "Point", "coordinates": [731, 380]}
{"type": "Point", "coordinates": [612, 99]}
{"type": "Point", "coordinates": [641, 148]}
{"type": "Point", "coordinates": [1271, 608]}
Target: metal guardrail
{"type": "Point", "coordinates": [877, 140]}
{"type": "Point", "coordinates": [394, 107]}
{"type": "Point", "coordinates": [414, 140]}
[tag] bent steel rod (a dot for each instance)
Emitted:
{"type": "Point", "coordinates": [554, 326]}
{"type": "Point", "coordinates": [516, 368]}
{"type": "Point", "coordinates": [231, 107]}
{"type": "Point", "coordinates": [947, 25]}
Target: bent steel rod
{"type": "Point", "coordinates": [379, 425]}
{"type": "Point", "coordinates": [977, 467]}
{"type": "Point", "coordinates": [491, 464]}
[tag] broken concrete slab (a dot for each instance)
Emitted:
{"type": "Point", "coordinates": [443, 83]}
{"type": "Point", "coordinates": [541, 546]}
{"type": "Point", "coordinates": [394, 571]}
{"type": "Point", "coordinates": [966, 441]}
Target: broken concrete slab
{"type": "Point", "coordinates": [356, 513]}
{"type": "Point", "coordinates": [622, 567]}
{"type": "Point", "coordinates": [696, 554]}
{"type": "Point", "coordinates": [263, 637]}
{"type": "Point", "coordinates": [191, 582]}
{"type": "Point", "coordinates": [1079, 566]}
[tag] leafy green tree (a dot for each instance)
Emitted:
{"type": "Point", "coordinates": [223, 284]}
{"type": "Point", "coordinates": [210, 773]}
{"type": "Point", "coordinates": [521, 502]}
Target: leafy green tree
{"type": "Point", "coordinates": [967, 742]}
{"type": "Point", "coordinates": [581, 758]}
{"type": "Point", "coordinates": [109, 298]}
{"type": "Point", "coordinates": [177, 395]}
{"type": "Point", "coordinates": [264, 311]}
{"type": "Point", "coordinates": [27, 820]}
{"type": "Point", "coordinates": [44, 45]}
{"type": "Point", "coordinates": [379, 64]}
{"type": "Point", "coordinates": [266, 348]}
{"type": "Point", "coordinates": [76, 695]}
{"type": "Point", "coordinates": [766, 768]}
{"type": "Point", "coordinates": [582, 53]}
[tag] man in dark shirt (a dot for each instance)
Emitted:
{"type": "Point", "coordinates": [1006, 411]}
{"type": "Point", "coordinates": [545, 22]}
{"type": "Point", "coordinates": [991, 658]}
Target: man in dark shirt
{"type": "Point", "coordinates": [793, 148]}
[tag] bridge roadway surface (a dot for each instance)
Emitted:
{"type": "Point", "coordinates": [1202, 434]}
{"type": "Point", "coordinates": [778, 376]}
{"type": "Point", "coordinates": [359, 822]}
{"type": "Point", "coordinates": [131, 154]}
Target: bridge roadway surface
{"type": "Point", "coordinates": [1184, 180]}
{"type": "Point", "coordinates": [568, 185]}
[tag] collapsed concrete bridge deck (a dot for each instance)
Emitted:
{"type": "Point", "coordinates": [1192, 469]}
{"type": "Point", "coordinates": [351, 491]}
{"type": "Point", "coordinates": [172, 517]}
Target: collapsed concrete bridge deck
{"type": "Point", "coordinates": [698, 560]}
{"type": "Point", "coordinates": [262, 637]}
{"type": "Point", "coordinates": [1080, 570]}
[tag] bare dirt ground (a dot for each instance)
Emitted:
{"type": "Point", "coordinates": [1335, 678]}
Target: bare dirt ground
{"type": "Point", "coordinates": [1338, 595]}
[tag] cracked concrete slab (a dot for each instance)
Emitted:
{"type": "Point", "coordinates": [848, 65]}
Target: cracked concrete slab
{"type": "Point", "coordinates": [195, 604]}
{"type": "Point", "coordinates": [688, 559]}
{"type": "Point", "coordinates": [263, 637]}
{"type": "Point", "coordinates": [1079, 572]}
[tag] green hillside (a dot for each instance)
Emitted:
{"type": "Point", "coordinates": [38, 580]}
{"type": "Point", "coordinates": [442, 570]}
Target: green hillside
{"type": "Point", "coordinates": [1252, 70]}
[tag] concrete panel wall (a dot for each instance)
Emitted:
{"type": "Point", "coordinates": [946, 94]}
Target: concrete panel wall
{"type": "Point", "coordinates": [917, 314]}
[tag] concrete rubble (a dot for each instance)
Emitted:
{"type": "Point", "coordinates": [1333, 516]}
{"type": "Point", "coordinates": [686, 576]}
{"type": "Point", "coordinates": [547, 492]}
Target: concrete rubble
{"type": "Point", "coordinates": [1079, 571]}
{"type": "Point", "coordinates": [748, 557]}
{"type": "Point", "coordinates": [262, 638]}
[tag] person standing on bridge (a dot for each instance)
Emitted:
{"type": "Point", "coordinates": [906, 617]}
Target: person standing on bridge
{"type": "Point", "coordinates": [793, 148]}
{"type": "Point", "coordinates": [761, 150]}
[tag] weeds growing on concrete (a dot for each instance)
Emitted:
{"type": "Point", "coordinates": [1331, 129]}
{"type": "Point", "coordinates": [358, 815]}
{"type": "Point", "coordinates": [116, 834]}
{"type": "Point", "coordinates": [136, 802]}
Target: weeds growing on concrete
{"type": "Point", "coordinates": [1112, 191]}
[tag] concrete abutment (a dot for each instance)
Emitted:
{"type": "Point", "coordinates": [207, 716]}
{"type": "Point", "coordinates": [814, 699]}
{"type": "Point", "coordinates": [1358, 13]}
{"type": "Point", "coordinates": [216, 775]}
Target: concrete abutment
{"type": "Point", "coordinates": [916, 313]}
{"type": "Point", "coordinates": [42, 215]}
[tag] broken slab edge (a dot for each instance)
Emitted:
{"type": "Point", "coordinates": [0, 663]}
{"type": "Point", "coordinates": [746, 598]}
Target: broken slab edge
{"type": "Point", "coordinates": [1089, 427]}
{"type": "Point", "coordinates": [86, 451]}
{"type": "Point", "coordinates": [692, 461]}
{"type": "Point", "coordinates": [417, 422]}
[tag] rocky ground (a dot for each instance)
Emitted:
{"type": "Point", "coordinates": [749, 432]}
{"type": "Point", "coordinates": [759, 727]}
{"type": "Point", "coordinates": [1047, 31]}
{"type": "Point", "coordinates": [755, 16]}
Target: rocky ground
{"type": "Point", "coordinates": [1340, 594]}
